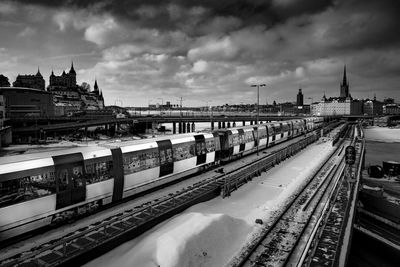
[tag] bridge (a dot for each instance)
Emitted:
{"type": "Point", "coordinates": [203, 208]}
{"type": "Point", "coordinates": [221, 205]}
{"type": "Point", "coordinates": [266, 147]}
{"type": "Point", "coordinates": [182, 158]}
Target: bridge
{"type": "Point", "coordinates": [185, 123]}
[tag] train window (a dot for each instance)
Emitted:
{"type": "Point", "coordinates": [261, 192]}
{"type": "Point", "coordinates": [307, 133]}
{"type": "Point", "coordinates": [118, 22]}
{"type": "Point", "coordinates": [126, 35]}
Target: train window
{"type": "Point", "coordinates": [166, 156]}
{"type": "Point", "coordinates": [242, 138]}
{"type": "Point", "coordinates": [26, 188]}
{"type": "Point", "coordinates": [201, 148]}
{"type": "Point", "coordinates": [210, 145]}
{"type": "Point", "coordinates": [285, 127]}
{"type": "Point", "coordinates": [262, 133]}
{"type": "Point", "coordinates": [183, 151]}
{"type": "Point", "coordinates": [271, 131]}
{"type": "Point", "coordinates": [233, 140]}
{"type": "Point", "coordinates": [217, 144]}
{"type": "Point", "coordinates": [62, 177]}
{"type": "Point", "coordinates": [140, 160]}
{"type": "Point", "coordinates": [98, 171]}
{"type": "Point", "coordinates": [249, 136]}
{"type": "Point", "coordinates": [77, 176]}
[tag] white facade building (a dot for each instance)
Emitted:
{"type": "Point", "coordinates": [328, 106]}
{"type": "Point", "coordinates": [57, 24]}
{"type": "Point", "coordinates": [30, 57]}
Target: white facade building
{"type": "Point", "coordinates": [336, 106]}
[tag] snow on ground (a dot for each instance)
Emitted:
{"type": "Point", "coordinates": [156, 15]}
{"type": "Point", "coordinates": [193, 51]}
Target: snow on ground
{"type": "Point", "coordinates": [382, 134]}
{"type": "Point", "coordinates": [212, 233]}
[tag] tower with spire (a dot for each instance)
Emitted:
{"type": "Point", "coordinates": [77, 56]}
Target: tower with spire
{"type": "Point", "coordinates": [96, 87]}
{"type": "Point", "coordinates": [34, 81]}
{"type": "Point", "coordinates": [67, 93]}
{"type": "Point", "coordinates": [72, 75]}
{"type": "Point", "coordinates": [64, 81]}
{"type": "Point", "coordinates": [98, 95]}
{"type": "Point", "coordinates": [38, 74]}
{"type": "Point", "coordinates": [344, 86]}
{"type": "Point", "coordinates": [300, 98]}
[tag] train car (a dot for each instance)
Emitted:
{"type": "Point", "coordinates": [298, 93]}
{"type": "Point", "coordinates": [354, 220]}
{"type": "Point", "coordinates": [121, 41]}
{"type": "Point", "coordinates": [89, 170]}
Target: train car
{"type": "Point", "coordinates": [149, 164]}
{"type": "Point", "coordinates": [34, 187]}
{"type": "Point", "coordinates": [50, 187]}
{"type": "Point", "coordinates": [318, 122]}
{"type": "Point", "coordinates": [239, 141]}
{"type": "Point", "coordinates": [279, 132]}
{"type": "Point", "coordinates": [299, 127]}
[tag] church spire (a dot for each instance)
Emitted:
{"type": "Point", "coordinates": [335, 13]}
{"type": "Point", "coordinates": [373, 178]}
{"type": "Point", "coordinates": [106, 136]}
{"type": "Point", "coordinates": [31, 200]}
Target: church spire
{"type": "Point", "coordinates": [344, 76]}
{"type": "Point", "coordinates": [96, 87]}
{"type": "Point", "coordinates": [72, 70]}
{"type": "Point", "coordinates": [38, 72]}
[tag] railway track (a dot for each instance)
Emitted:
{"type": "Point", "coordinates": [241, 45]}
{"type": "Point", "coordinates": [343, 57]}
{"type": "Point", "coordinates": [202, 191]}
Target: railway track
{"type": "Point", "coordinates": [325, 245]}
{"type": "Point", "coordinates": [93, 240]}
{"type": "Point", "coordinates": [274, 247]}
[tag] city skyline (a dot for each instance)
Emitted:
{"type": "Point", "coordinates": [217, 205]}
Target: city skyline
{"type": "Point", "coordinates": [207, 51]}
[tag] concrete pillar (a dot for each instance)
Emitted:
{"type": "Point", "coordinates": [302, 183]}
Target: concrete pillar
{"type": "Point", "coordinates": [174, 127]}
{"type": "Point", "coordinates": [219, 125]}
{"type": "Point", "coordinates": [188, 127]}
{"type": "Point", "coordinates": [212, 126]}
{"type": "Point", "coordinates": [228, 124]}
{"type": "Point", "coordinates": [223, 125]}
{"type": "Point", "coordinates": [193, 127]}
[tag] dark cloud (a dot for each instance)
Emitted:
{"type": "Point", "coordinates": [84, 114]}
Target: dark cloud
{"type": "Point", "coordinates": [208, 49]}
{"type": "Point", "coordinates": [252, 12]}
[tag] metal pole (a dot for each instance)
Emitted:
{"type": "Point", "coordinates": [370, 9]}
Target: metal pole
{"type": "Point", "coordinates": [258, 110]}
{"type": "Point", "coordinates": [258, 113]}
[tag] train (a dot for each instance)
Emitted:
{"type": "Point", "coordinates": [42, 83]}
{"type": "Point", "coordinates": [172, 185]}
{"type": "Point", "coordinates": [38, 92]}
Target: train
{"type": "Point", "coordinates": [49, 188]}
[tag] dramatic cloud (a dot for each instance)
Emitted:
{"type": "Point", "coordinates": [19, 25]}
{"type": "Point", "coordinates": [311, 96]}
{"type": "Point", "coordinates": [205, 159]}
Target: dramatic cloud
{"type": "Point", "coordinates": [205, 50]}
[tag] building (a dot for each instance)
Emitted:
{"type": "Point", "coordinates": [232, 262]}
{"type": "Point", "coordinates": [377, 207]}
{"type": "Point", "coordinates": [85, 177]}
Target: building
{"type": "Point", "coordinates": [27, 102]}
{"type": "Point", "coordinates": [372, 107]}
{"type": "Point", "coordinates": [30, 81]}
{"type": "Point", "coordinates": [5, 131]}
{"type": "Point", "coordinates": [64, 81]}
{"type": "Point", "coordinates": [2, 110]}
{"type": "Point", "coordinates": [300, 98]}
{"type": "Point", "coordinates": [70, 97]}
{"type": "Point", "coordinates": [96, 96]}
{"type": "Point", "coordinates": [391, 109]}
{"type": "Point", "coordinates": [342, 105]}
{"type": "Point", "coordinates": [337, 106]}
{"type": "Point", "coordinates": [4, 81]}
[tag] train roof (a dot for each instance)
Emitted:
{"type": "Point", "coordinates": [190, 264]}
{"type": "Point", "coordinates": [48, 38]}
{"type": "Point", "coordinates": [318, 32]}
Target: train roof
{"type": "Point", "coordinates": [48, 153]}
{"type": "Point", "coordinates": [152, 140]}
{"type": "Point", "coordinates": [91, 149]}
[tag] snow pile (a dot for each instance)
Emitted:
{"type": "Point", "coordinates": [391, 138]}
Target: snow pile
{"type": "Point", "coordinates": [191, 239]}
{"type": "Point", "coordinates": [381, 134]}
{"type": "Point", "coordinates": [189, 244]}
{"type": "Point", "coordinates": [372, 188]}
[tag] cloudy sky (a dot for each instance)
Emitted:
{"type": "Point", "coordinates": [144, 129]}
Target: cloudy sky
{"type": "Point", "coordinates": [142, 51]}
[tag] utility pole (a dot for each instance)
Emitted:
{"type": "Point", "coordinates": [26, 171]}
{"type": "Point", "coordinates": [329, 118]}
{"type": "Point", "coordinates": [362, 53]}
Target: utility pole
{"type": "Point", "coordinates": [181, 107]}
{"type": "Point", "coordinates": [258, 109]}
